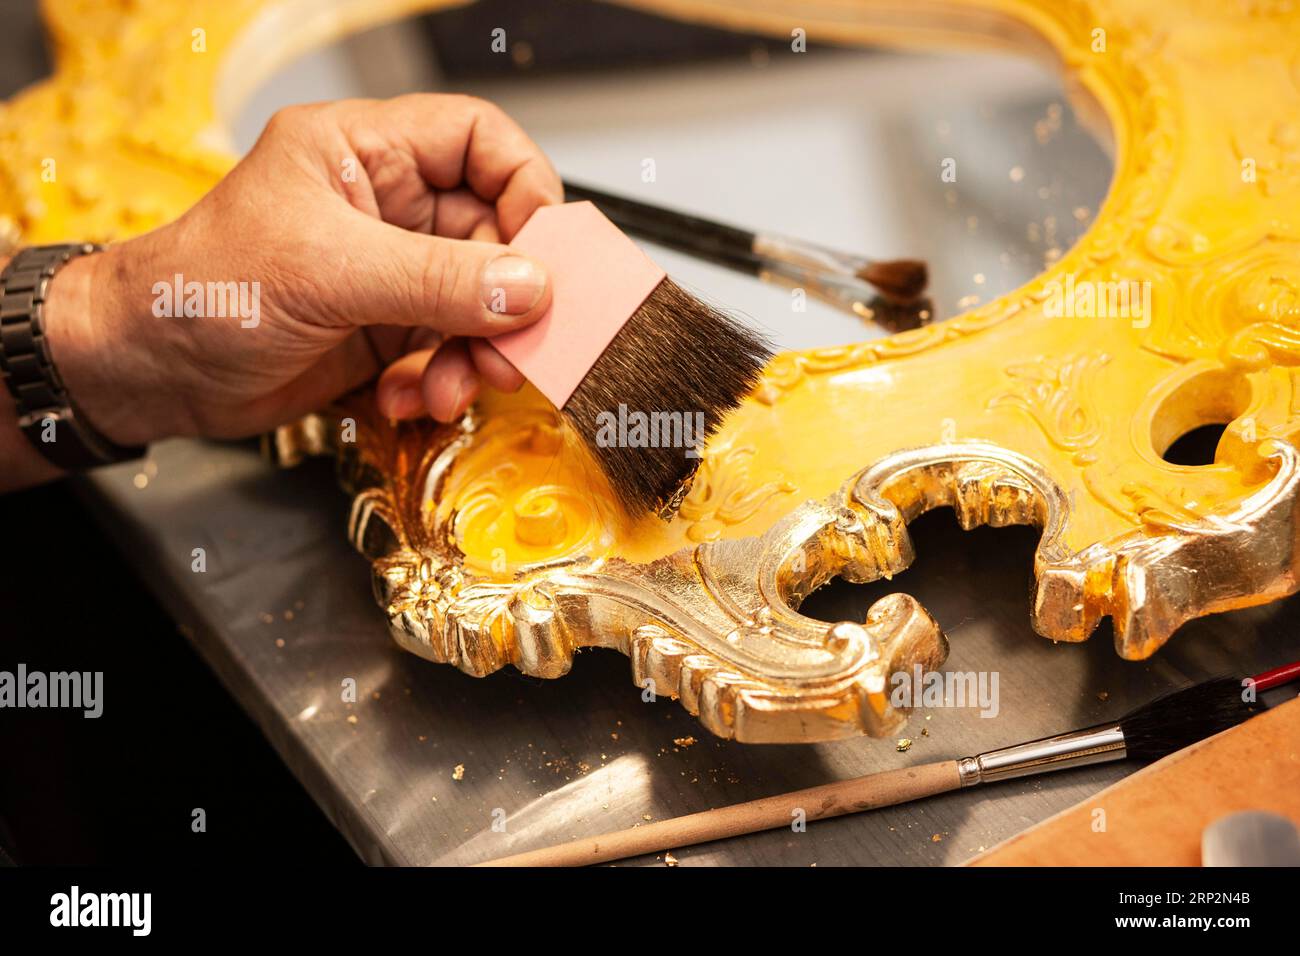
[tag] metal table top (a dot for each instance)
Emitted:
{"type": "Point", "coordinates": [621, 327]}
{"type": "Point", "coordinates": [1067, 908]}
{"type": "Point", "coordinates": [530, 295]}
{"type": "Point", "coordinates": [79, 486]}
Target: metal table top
{"type": "Point", "coordinates": [284, 614]}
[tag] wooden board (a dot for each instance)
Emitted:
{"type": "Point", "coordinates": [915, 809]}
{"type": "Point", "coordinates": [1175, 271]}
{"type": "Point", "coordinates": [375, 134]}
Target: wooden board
{"type": "Point", "coordinates": [1156, 816]}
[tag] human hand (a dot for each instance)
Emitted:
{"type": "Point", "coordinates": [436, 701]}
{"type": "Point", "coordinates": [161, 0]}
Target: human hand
{"type": "Point", "coordinates": [362, 236]}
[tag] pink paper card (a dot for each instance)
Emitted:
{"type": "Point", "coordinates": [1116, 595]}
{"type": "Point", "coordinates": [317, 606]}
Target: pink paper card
{"type": "Point", "coordinates": [598, 279]}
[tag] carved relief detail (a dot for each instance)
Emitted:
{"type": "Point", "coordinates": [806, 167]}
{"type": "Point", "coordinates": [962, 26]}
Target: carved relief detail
{"type": "Point", "coordinates": [722, 493]}
{"type": "Point", "coordinates": [1056, 394]}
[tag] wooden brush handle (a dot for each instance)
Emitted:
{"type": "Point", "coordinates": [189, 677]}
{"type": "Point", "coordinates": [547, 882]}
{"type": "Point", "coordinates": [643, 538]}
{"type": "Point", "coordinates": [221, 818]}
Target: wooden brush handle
{"type": "Point", "coordinates": [769, 813]}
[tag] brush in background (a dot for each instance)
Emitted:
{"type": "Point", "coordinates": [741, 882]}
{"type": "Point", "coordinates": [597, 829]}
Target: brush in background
{"type": "Point", "coordinates": [843, 279]}
{"type": "Point", "coordinates": [1155, 730]}
{"type": "Point", "coordinates": [621, 335]}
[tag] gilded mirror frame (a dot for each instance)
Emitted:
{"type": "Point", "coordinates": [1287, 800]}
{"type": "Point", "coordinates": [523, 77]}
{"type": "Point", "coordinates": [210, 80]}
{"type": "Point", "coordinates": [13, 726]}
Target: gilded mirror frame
{"type": "Point", "coordinates": [494, 546]}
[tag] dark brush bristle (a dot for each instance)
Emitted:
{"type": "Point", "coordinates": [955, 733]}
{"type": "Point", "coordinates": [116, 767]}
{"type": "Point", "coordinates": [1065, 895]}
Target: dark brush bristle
{"type": "Point", "coordinates": [900, 279]}
{"type": "Point", "coordinates": [1181, 718]}
{"type": "Point", "coordinates": [675, 355]}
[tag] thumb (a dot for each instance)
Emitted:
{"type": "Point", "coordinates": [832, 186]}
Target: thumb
{"type": "Point", "coordinates": [459, 287]}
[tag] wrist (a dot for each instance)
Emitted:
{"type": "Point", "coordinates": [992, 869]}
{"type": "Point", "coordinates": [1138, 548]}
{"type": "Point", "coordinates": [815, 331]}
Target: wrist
{"type": "Point", "coordinates": [104, 350]}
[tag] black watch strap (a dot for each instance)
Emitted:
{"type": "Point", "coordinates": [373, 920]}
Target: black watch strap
{"type": "Point", "coordinates": [46, 414]}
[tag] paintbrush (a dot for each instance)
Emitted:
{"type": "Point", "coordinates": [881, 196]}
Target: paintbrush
{"type": "Point", "coordinates": [844, 279]}
{"type": "Point", "coordinates": [622, 343]}
{"type": "Point", "coordinates": [1150, 732]}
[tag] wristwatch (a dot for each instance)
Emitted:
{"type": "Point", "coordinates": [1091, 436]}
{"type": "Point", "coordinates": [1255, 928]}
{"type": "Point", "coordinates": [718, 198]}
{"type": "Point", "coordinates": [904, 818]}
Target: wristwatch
{"type": "Point", "coordinates": [46, 415]}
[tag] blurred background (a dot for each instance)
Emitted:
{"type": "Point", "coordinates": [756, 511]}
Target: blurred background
{"type": "Point", "coordinates": [840, 146]}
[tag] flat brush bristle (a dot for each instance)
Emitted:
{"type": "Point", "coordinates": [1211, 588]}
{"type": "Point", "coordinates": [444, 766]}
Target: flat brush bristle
{"type": "Point", "coordinates": [1182, 718]}
{"type": "Point", "coordinates": [899, 279]}
{"type": "Point", "coordinates": [659, 390]}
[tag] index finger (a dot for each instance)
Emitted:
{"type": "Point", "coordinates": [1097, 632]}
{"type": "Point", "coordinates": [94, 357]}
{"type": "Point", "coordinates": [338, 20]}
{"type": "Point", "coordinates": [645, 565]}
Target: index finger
{"type": "Point", "coordinates": [460, 140]}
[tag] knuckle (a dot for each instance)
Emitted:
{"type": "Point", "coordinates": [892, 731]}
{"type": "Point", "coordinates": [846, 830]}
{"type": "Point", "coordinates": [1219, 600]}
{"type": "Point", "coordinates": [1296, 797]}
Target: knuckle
{"type": "Point", "coordinates": [477, 105]}
{"type": "Point", "coordinates": [417, 100]}
{"type": "Point", "coordinates": [297, 117]}
{"type": "Point", "coordinates": [287, 117]}
{"type": "Point", "coordinates": [441, 278]}
{"type": "Point", "coordinates": [348, 105]}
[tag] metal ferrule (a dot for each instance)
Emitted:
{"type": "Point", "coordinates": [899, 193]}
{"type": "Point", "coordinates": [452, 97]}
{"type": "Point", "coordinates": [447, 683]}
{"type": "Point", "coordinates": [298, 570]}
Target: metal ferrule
{"type": "Point", "coordinates": [847, 292]}
{"type": "Point", "coordinates": [808, 255]}
{"type": "Point", "coordinates": [1100, 744]}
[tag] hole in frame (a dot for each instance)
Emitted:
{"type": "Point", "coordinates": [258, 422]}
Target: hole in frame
{"type": "Point", "coordinates": [1189, 423]}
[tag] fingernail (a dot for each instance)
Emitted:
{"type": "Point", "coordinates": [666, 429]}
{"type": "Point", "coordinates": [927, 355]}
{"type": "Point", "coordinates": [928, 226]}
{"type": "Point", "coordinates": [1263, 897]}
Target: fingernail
{"type": "Point", "coordinates": [404, 402]}
{"type": "Point", "coordinates": [512, 285]}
